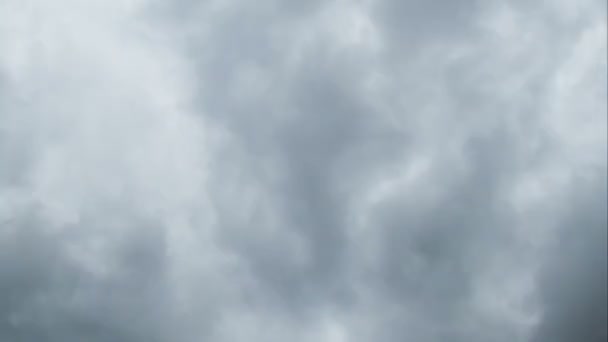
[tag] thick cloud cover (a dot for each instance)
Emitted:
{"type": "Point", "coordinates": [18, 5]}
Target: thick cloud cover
{"type": "Point", "coordinates": [373, 170]}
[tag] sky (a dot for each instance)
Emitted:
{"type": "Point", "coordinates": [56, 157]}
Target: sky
{"type": "Point", "coordinates": [281, 170]}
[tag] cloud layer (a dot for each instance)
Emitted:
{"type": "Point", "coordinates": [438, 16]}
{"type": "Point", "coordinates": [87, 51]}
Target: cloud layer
{"type": "Point", "coordinates": [374, 170]}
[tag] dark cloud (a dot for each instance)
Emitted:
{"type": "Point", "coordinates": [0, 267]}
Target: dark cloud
{"type": "Point", "coordinates": [321, 171]}
{"type": "Point", "coordinates": [574, 282]}
{"type": "Point", "coordinates": [48, 295]}
{"type": "Point", "coordinates": [411, 23]}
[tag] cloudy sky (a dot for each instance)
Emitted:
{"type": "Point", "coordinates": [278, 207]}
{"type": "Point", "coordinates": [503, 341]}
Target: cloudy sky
{"type": "Point", "coordinates": [282, 170]}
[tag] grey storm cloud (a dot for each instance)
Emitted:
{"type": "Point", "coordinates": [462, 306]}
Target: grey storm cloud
{"type": "Point", "coordinates": [373, 170]}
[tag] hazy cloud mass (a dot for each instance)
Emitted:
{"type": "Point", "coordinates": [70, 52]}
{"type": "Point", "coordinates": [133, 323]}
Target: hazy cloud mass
{"type": "Point", "coordinates": [306, 171]}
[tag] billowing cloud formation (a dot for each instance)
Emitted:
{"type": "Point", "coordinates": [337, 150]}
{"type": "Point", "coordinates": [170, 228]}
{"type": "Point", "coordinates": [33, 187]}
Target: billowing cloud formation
{"type": "Point", "coordinates": [376, 170]}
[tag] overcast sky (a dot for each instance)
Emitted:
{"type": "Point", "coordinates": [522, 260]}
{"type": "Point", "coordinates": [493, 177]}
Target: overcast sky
{"type": "Point", "coordinates": [306, 171]}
